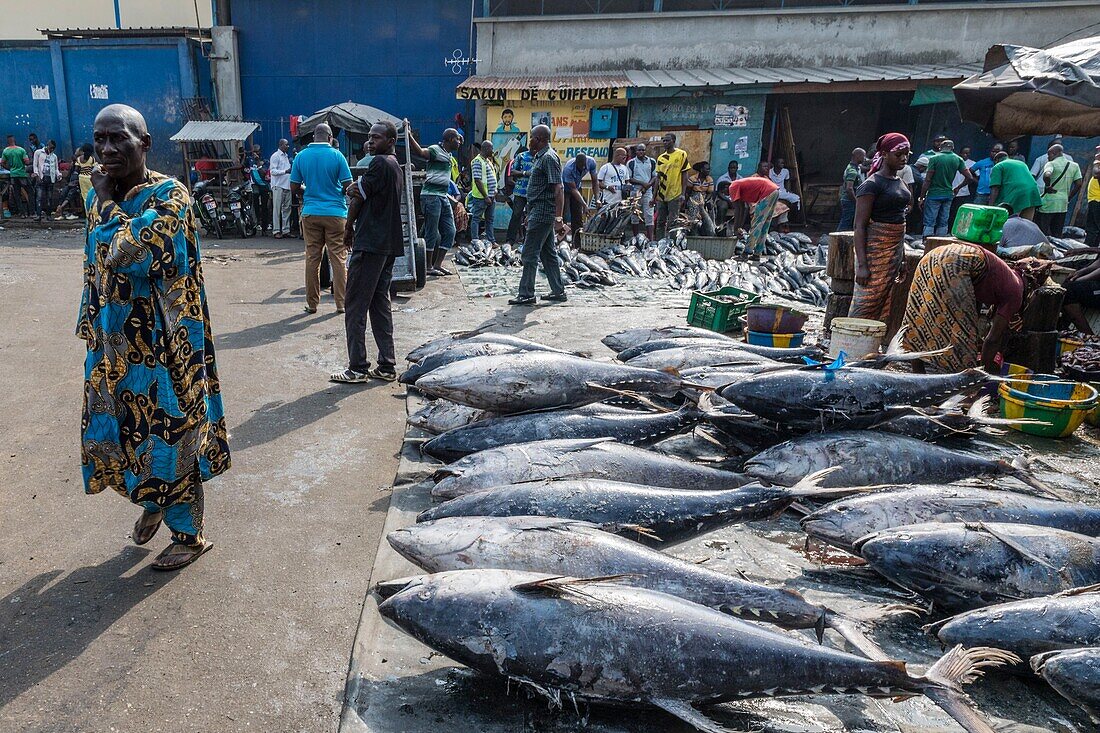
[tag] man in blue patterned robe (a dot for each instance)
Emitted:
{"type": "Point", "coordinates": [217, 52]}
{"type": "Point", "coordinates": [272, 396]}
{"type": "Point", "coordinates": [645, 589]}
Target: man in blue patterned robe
{"type": "Point", "coordinates": [152, 426]}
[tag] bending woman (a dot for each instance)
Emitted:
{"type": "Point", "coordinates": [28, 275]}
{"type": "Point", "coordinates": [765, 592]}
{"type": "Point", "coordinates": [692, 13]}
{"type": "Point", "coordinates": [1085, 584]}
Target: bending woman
{"type": "Point", "coordinates": [882, 201]}
{"type": "Point", "coordinates": [950, 286]}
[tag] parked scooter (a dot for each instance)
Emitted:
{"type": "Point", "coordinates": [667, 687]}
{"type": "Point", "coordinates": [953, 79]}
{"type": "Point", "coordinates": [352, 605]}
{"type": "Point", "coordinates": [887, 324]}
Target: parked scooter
{"type": "Point", "coordinates": [206, 209]}
{"type": "Point", "coordinates": [241, 210]}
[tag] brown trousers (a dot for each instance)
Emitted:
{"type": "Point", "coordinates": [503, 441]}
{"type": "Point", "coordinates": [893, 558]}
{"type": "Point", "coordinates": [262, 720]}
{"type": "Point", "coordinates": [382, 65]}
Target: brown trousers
{"type": "Point", "coordinates": [325, 232]}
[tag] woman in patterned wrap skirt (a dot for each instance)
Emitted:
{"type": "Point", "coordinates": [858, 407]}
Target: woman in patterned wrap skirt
{"type": "Point", "coordinates": [882, 201]}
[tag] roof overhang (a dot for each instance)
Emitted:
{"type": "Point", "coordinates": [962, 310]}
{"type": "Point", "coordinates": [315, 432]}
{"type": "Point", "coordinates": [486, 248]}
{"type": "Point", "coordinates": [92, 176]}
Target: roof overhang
{"type": "Point", "coordinates": [201, 131]}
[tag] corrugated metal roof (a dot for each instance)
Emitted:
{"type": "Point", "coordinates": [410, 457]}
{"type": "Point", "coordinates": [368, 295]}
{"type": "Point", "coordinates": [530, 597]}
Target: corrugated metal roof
{"type": "Point", "coordinates": [795, 75]}
{"type": "Point", "coordinates": [557, 81]}
{"type": "Point", "coordinates": [197, 131]}
{"type": "Point", "coordinates": [136, 32]}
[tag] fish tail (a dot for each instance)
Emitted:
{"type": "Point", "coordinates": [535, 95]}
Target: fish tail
{"type": "Point", "coordinates": [1020, 469]}
{"type": "Point", "coordinates": [850, 630]}
{"type": "Point", "coordinates": [958, 667]}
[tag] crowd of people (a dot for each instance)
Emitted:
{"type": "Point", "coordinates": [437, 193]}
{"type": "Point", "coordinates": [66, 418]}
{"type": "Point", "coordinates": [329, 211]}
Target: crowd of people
{"type": "Point", "coordinates": [37, 182]}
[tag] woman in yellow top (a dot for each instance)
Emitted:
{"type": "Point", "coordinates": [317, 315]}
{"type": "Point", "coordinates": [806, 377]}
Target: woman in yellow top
{"type": "Point", "coordinates": [700, 192]}
{"type": "Point", "coordinates": [85, 162]}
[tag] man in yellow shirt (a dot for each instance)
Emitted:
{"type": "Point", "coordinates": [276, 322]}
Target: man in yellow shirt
{"type": "Point", "coordinates": [672, 170]}
{"type": "Point", "coordinates": [1092, 212]}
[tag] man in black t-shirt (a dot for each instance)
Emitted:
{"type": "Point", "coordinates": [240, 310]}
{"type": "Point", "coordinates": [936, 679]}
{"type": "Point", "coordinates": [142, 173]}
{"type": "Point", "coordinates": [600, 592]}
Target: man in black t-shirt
{"type": "Point", "coordinates": [374, 227]}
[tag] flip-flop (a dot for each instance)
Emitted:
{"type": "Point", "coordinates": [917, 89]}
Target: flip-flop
{"type": "Point", "coordinates": [145, 528]}
{"type": "Point", "coordinates": [194, 554]}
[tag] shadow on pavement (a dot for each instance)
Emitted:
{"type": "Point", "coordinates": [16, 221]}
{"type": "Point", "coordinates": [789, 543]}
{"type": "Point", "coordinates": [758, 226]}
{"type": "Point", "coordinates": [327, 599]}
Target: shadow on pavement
{"type": "Point", "coordinates": [275, 419]}
{"type": "Point", "coordinates": [45, 628]}
{"type": "Point", "coordinates": [268, 333]}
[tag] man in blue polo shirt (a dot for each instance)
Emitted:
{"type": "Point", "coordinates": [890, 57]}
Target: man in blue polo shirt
{"type": "Point", "coordinates": [982, 169]}
{"type": "Point", "coordinates": [319, 174]}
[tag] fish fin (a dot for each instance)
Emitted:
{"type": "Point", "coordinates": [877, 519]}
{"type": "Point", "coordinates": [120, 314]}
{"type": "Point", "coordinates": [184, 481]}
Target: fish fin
{"type": "Point", "coordinates": [1020, 469]}
{"type": "Point", "coordinates": [1083, 590]}
{"type": "Point", "coordinates": [685, 712]}
{"type": "Point", "coordinates": [562, 584]}
{"type": "Point", "coordinates": [1022, 551]}
{"type": "Point", "coordinates": [978, 409]}
{"type": "Point", "coordinates": [671, 370]}
{"type": "Point", "coordinates": [960, 666]}
{"type": "Point", "coordinates": [589, 443]}
{"type": "Point", "coordinates": [800, 508]}
{"type": "Point", "coordinates": [811, 483]}
{"type": "Point", "coordinates": [639, 529]}
{"type": "Point", "coordinates": [954, 402]}
{"type": "Point", "coordinates": [632, 395]}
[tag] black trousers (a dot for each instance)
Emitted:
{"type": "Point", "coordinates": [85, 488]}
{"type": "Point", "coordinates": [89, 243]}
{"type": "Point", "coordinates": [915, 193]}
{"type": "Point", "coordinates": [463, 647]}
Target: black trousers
{"type": "Point", "coordinates": [519, 206]}
{"type": "Point", "coordinates": [1092, 224]}
{"type": "Point", "coordinates": [1051, 224]}
{"type": "Point", "coordinates": [16, 203]}
{"type": "Point", "coordinates": [368, 295]}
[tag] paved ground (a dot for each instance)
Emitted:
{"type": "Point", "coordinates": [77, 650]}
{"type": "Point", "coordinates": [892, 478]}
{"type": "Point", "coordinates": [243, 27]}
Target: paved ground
{"type": "Point", "coordinates": [255, 636]}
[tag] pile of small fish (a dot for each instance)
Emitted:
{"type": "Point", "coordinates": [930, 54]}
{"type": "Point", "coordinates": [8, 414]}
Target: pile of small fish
{"type": "Point", "coordinates": [556, 495]}
{"type": "Point", "coordinates": [790, 271]}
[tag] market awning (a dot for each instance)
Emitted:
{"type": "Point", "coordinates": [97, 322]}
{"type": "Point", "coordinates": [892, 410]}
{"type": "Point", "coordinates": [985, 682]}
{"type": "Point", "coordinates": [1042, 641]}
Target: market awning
{"type": "Point", "coordinates": [1031, 91]}
{"type": "Point", "coordinates": [752, 76]}
{"type": "Point", "coordinates": [351, 117]}
{"type": "Point", "coordinates": [201, 131]}
{"type": "Point", "coordinates": [557, 87]}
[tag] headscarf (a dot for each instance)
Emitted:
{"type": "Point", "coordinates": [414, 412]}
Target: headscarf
{"type": "Point", "coordinates": [891, 142]}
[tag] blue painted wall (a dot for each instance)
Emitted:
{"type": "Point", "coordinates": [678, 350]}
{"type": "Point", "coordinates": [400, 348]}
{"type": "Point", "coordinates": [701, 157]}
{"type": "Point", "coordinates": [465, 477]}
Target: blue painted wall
{"type": "Point", "coordinates": [296, 58]}
{"type": "Point", "coordinates": [21, 66]}
{"type": "Point", "coordinates": [655, 113]}
{"type": "Point", "coordinates": [152, 75]}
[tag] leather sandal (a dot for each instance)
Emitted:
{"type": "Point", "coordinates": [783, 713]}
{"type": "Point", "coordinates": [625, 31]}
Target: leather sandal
{"type": "Point", "coordinates": [177, 555]}
{"type": "Point", "coordinates": [146, 526]}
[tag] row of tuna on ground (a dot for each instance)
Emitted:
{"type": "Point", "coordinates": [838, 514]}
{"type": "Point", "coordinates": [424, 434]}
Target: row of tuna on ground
{"type": "Point", "coordinates": [544, 556]}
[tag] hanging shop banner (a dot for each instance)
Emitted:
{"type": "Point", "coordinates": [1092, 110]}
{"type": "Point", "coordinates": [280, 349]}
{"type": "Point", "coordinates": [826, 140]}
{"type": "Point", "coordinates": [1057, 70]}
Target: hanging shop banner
{"type": "Point", "coordinates": [568, 123]}
{"type": "Point", "coordinates": [731, 115]}
{"type": "Point", "coordinates": [597, 94]}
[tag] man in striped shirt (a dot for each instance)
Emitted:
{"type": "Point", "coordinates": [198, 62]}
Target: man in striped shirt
{"type": "Point", "coordinates": [482, 200]}
{"type": "Point", "coordinates": [439, 222]}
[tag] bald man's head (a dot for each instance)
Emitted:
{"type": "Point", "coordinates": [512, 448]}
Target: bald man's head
{"type": "Point", "coordinates": [122, 141]}
{"type": "Point", "coordinates": [322, 133]}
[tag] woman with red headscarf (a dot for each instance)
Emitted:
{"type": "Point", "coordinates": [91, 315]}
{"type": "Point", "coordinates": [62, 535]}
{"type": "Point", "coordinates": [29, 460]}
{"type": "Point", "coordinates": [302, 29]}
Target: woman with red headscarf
{"type": "Point", "coordinates": [882, 202]}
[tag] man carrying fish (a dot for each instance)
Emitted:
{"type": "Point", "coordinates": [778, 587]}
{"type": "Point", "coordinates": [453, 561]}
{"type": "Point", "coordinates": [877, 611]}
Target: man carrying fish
{"type": "Point", "coordinates": [545, 201]}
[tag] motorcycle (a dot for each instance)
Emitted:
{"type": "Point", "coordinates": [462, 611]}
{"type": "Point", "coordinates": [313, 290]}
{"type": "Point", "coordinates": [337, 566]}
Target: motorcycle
{"type": "Point", "coordinates": [241, 209]}
{"type": "Point", "coordinates": [206, 209]}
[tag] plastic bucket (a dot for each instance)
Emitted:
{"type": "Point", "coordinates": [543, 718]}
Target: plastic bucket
{"type": "Point", "coordinates": [856, 337]}
{"type": "Point", "coordinates": [1062, 417]}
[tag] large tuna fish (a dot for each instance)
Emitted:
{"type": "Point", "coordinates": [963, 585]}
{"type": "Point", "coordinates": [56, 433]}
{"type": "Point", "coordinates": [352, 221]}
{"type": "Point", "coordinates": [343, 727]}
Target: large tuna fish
{"type": "Point", "coordinates": [828, 396]}
{"type": "Point", "coordinates": [622, 340]}
{"type": "Point", "coordinates": [1075, 675]}
{"type": "Point", "coordinates": [691, 357]}
{"type": "Point", "coordinates": [561, 459]}
{"type": "Point", "coordinates": [843, 522]}
{"type": "Point", "coordinates": [869, 458]}
{"type": "Point", "coordinates": [568, 547]}
{"type": "Point", "coordinates": [455, 352]}
{"type": "Point", "coordinates": [1032, 626]}
{"type": "Point", "coordinates": [443, 342]}
{"type": "Point", "coordinates": [624, 507]}
{"type": "Point", "coordinates": [963, 566]}
{"type": "Point", "coordinates": [537, 381]}
{"type": "Point", "coordinates": [439, 416]}
{"type": "Point", "coordinates": [605, 642]}
{"type": "Point", "coordinates": [626, 426]}
{"type": "Point", "coordinates": [794, 355]}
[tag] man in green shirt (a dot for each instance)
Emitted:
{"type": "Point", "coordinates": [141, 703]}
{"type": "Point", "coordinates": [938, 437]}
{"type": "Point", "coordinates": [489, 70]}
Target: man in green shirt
{"type": "Point", "coordinates": [1061, 180]}
{"type": "Point", "coordinates": [939, 191]}
{"type": "Point", "coordinates": [1011, 186]}
{"type": "Point", "coordinates": [435, 201]}
{"type": "Point", "coordinates": [15, 160]}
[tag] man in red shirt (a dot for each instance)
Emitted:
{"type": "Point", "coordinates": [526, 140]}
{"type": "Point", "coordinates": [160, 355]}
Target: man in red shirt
{"type": "Point", "coordinates": [759, 193]}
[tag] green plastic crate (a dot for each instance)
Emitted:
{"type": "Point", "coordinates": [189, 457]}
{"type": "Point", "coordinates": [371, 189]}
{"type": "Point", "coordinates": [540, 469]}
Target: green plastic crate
{"type": "Point", "coordinates": [979, 224]}
{"type": "Point", "coordinates": [714, 312]}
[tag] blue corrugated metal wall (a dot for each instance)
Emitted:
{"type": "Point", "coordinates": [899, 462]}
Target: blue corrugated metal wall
{"type": "Point", "coordinates": [152, 75]}
{"type": "Point", "coordinates": [296, 58]}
